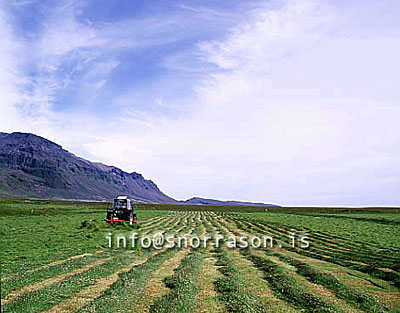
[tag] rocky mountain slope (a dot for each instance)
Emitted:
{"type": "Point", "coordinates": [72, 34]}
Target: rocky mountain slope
{"type": "Point", "coordinates": [32, 166]}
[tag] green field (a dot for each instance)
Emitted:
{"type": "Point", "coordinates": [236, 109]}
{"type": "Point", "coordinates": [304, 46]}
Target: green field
{"type": "Point", "coordinates": [55, 259]}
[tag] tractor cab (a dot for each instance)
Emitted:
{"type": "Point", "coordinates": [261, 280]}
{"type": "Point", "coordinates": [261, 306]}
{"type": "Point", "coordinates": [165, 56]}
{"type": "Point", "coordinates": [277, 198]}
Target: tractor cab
{"type": "Point", "coordinates": [121, 211]}
{"type": "Point", "coordinates": [122, 203]}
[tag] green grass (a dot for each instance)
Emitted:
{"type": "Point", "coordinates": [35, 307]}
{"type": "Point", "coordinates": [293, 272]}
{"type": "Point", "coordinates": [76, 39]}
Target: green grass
{"type": "Point", "coordinates": [287, 288]}
{"type": "Point", "coordinates": [34, 233]}
{"type": "Point", "coordinates": [43, 299]}
{"type": "Point", "coordinates": [126, 291]}
{"type": "Point", "coordinates": [342, 291]}
{"type": "Point", "coordinates": [181, 298]}
{"type": "Point", "coordinates": [231, 287]}
{"type": "Point", "coordinates": [30, 278]}
{"type": "Point", "coordinates": [373, 259]}
{"type": "Point", "coordinates": [365, 230]}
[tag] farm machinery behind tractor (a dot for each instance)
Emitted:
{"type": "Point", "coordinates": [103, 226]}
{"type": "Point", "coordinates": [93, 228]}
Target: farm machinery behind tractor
{"type": "Point", "coordinates": [121, 210]}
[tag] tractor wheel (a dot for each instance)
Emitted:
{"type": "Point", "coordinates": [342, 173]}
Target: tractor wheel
{"type": "Point", "coordinates": [126, 216]}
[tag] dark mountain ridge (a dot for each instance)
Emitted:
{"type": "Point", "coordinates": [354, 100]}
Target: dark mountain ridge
{"type": "Point", "coordinates": [33, 166]}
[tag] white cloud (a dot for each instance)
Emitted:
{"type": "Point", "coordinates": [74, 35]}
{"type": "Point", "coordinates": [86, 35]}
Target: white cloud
{"type": "Point", "coordinates": [304, 115]}
{"type": "Point", "coordinates": [271, 35]}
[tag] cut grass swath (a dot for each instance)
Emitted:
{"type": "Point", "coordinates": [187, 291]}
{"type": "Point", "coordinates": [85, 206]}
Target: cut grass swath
{"type": "Point", "coordinates": [43, 299]}
{"type": "Point", "coordinates": [335, 258]}
{"type": "Point", "coordinates": [231, 288]}
{"type": "Point", "coordinates": [183, 286]}
{"type": "Point", "coordinates": [391, 277]}
{"type": "Point", "coordinates": [126, 291]}
{"type": "Point", "coordinates": [31, 278]}
{"type": "Point", "coordinates": [342, 291]}
{"type": "Point", "coordinates": [286, 287]}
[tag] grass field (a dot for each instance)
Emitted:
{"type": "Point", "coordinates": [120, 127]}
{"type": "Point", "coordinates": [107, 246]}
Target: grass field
{"type": "Point", "coordinates": [54, 259]}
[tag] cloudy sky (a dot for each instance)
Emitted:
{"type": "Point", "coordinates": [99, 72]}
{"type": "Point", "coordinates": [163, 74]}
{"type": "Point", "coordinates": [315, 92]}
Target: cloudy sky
{"type": "Point", "coordinates": [289, 102]}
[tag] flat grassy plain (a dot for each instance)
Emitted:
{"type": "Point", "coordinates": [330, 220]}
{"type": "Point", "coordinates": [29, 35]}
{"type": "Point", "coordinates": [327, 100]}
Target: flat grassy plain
{"type": "Point", "coordinates": [374, 228]}
{"type": "Point", "coordinates": [55, 259]}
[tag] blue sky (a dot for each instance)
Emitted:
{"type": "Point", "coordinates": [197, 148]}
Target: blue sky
{"type": "Point", "coordinates": [293, 102]}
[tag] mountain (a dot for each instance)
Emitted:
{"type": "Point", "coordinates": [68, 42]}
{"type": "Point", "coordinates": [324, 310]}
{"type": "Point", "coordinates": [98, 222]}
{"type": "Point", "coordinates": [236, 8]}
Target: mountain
{"type": "Point", "coordinates": [203, 201]}
{"type": "Point", "coordinates": [34, 167]}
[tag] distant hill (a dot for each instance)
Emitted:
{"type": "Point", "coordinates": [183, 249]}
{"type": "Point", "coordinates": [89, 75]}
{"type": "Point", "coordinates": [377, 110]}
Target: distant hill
{"type": "Point", "coordinates": [32, 166]}
{"type": "Point", "coordinates": [203, 201]}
